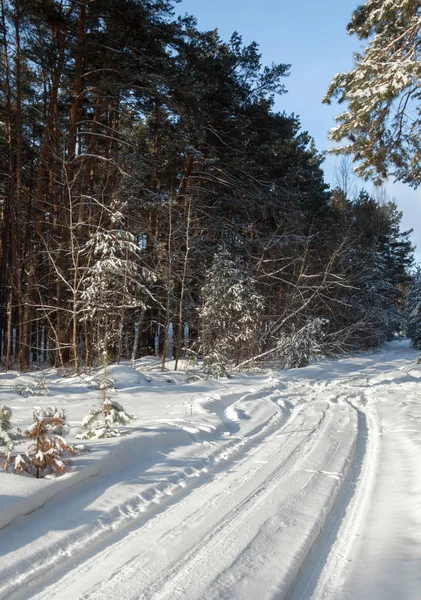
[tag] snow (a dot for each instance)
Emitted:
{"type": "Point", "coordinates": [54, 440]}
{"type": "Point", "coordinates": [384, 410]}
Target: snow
{"type": "Point", "coordinates": [299, 484]}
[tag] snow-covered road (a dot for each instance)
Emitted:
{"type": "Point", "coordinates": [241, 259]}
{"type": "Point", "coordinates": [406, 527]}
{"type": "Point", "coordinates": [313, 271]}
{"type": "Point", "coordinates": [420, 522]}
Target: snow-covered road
{"type": "Point", "coordinates": [305, 484]}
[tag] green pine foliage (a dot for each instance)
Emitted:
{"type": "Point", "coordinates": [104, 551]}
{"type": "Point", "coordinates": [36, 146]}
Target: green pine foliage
{"type": "Point", "coordinates": [104, 421]}
{"type": "Point", "coordinates": [299, 347]}
{"type": "Point", "coordinates": [5, 427]}
{"type": "Point", "coordinates": [413, 310]}
{"type": "Point", "coordinates": [380, 124]}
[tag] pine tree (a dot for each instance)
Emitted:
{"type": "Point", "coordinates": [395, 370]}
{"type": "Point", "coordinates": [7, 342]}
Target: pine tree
{"type": "Point", "coordinates": [382, 120]}
{"type": "Point", "coordinates": [49, 452]}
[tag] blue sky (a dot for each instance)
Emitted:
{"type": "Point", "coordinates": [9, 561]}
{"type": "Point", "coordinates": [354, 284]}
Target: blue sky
{"type": "Point", "coordinates": [311, 36]}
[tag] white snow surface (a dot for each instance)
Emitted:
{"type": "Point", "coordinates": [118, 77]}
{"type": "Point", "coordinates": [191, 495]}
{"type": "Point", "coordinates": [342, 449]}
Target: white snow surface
{"type": "Point", "coordinates": [304, 484]}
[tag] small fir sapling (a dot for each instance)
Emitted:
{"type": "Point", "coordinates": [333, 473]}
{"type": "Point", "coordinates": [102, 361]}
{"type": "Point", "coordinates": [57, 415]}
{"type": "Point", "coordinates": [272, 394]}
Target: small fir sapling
{"type": "Point", "coordinates": [42, 388]}
{"type": "Point", "coordinates": [48, 453]}
{"type": "Point", "coordinates": [102, 422]}
{"type": "Point", "coordinates": [7, 441]}
{"type": "Point", "coordinates": [33, 388]}
{"type": "Point", "coordinates": [192, 365]}
{"type": "Point", "coordinates": [5, 427]}
{"type": "Point", "coordinates": [217, 362]}
{"type": "Point", "coordinates": [13, 463]}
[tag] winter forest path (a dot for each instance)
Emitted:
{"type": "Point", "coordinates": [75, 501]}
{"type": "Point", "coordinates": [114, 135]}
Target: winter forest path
{"type": "Point", "coordinates": [313, 491]}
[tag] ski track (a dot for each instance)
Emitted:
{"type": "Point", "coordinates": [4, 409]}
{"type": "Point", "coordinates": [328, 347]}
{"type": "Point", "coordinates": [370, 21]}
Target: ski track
{"type": "Point", "coordinates": [276, 514]}
{"type": "Point", "coordinates": [319, 574]}
{"type": "Point", "coordinates": [356, 509]}
{"type": "Point", "coordinates": [169, 582]}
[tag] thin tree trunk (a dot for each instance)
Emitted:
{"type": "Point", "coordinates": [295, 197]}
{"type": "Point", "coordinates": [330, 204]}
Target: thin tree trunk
{"type": "Point", "coordinates": [10, 208]}
{"type": "Point", "coordinates": [40, 201]}
{"type": "Point", "coordinates": [180, 332]}
{"type": "Point", "coordinates": [167, 318]}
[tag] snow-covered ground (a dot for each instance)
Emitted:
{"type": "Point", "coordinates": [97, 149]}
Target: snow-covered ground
{"type": "Point", "coordinates": [293, 485]}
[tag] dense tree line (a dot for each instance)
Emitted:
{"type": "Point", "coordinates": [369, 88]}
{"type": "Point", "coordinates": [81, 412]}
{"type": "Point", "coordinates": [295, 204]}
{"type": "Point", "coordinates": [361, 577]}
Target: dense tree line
{"type": "Point", "coordinates": [151, 199]}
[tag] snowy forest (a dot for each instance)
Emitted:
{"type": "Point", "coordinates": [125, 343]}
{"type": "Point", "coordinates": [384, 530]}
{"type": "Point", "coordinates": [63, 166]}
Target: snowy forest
{"type": "Point", "coordinates": [210, 324]}
{"type": "Point", "coordinates": [152, 201]}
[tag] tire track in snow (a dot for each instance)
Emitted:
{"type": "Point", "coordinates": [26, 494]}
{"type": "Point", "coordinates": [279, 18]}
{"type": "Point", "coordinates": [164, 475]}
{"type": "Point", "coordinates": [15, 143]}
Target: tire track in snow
{"type": "Point", "coordinates": [357, 509]}
{"type": "Point", "coordinates": [149, 528]}
{"type": "Point", "coordinates": [165, 583]}
{"type": "Point", "coordinates": [320, 574]}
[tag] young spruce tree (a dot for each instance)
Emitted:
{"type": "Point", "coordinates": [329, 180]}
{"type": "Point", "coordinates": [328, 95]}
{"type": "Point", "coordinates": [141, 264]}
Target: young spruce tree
{"type": "Point", "coordinates": [115, 282]}
{"type": "Point", "coordinates": [230, 315]}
